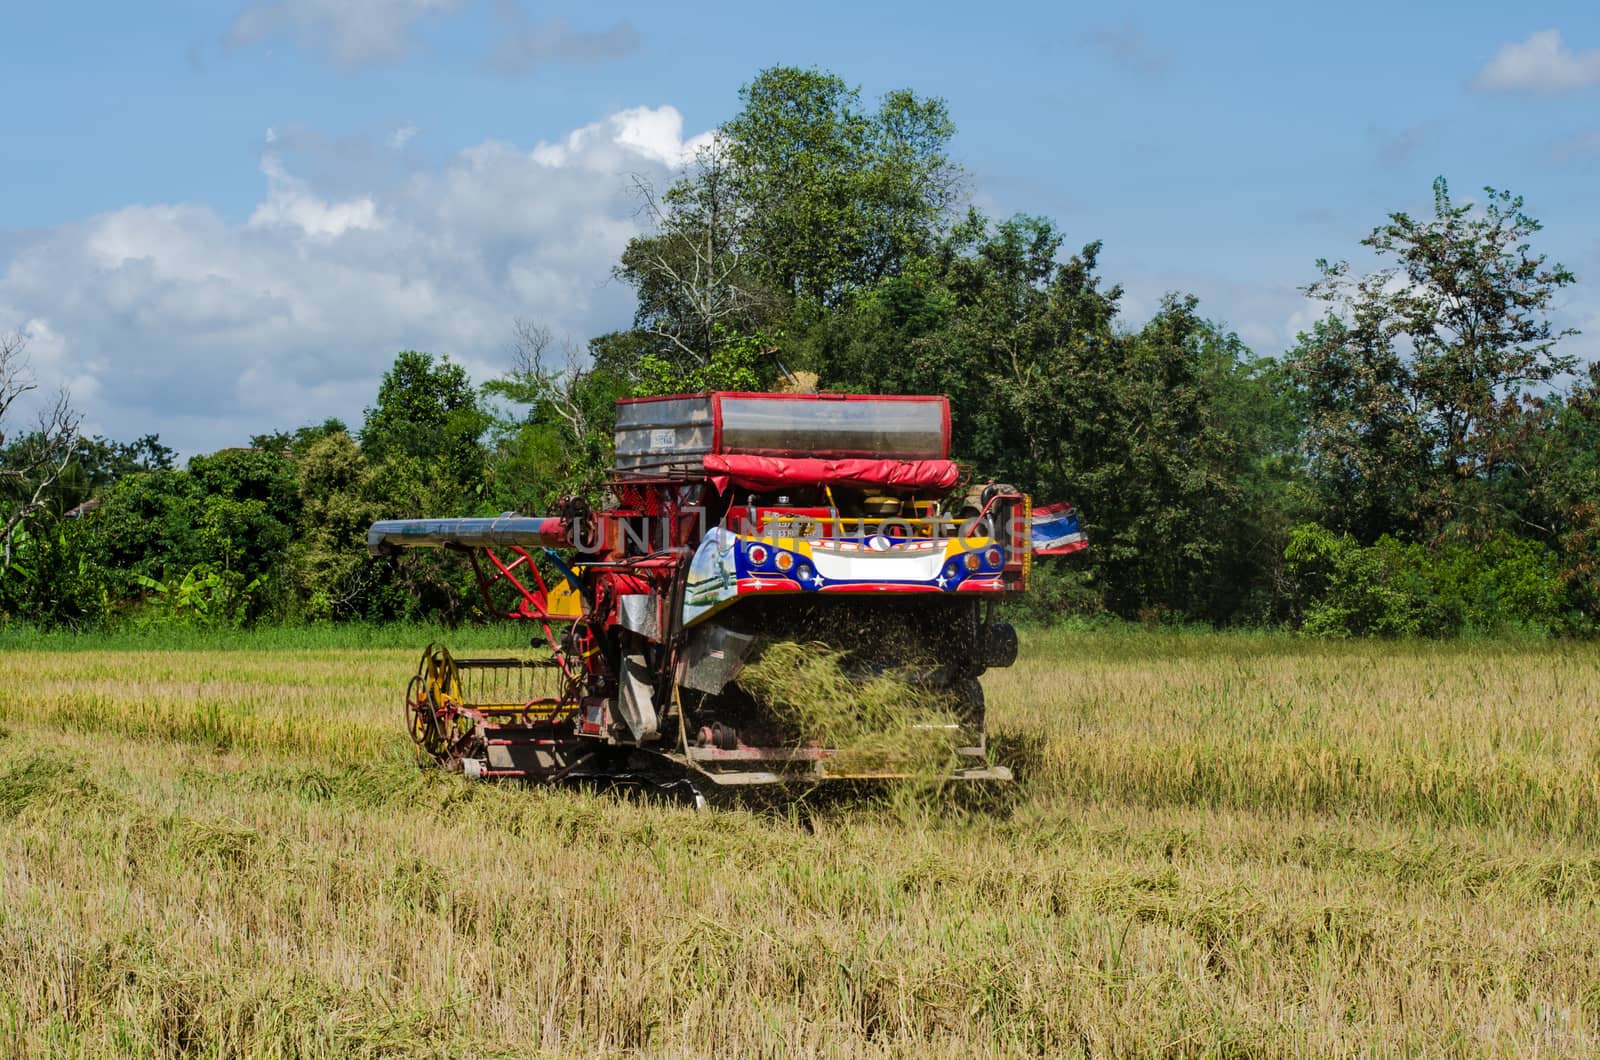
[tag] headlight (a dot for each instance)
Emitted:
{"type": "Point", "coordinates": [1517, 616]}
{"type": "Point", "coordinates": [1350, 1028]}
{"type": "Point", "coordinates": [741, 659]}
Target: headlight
{"type": "Point", "coordinates": [972, 561]}
{"type": "Point", "coordinates": [951, 570]}
{"type": "Point", "coordinates": [803, 572]}
{"type": "Point", "coordinates": [785, 561]}
{"type": "Point", "coordinates": [993, 557]}
{"type": "Point", "coordinates": [757, 555]}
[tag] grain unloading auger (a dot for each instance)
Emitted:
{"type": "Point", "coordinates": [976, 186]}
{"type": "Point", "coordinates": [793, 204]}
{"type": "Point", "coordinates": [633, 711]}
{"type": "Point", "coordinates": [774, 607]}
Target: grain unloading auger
{"type": "Point", "coordinates": [735, 522]}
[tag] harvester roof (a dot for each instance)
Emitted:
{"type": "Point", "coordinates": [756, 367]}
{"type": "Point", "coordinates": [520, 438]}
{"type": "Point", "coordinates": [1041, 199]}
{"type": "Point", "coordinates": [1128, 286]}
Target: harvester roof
{"type": "Point", "coordinates": [781, 439]}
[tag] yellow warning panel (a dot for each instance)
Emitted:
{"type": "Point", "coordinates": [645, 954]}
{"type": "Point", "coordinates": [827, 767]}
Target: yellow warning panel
{"type": "Point", "coordinates": [563, 601]}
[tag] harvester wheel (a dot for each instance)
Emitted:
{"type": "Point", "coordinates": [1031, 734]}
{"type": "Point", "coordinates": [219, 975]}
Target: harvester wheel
{"type": "Point", "coordinates": [433, 706]}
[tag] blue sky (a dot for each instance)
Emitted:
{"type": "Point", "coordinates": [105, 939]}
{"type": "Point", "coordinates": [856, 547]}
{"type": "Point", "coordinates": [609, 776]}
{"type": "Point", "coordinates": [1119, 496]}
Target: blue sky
{"type": "Point", "coordinates": [219, 219]}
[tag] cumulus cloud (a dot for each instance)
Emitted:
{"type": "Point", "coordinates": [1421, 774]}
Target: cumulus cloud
{"type": "Point", "coordinates": [290, 202]}
{"type": "Point", "coordinates": [171, 318]}
{"type": "Point", "coordinates": [523, 44]}
{"type": "Point", "coordinates": [1541, 64]}
{"type": "Point", "coordinates": [351, 32]}
{"type": "Point", "coordinates": [656, 133]}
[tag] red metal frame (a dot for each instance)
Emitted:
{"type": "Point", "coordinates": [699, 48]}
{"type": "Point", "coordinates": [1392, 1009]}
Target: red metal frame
{"type": "Point", "coordinates": [532, 604]}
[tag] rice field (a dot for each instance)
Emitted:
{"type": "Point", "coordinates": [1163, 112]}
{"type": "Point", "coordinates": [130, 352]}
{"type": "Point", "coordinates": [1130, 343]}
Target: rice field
{"type": "Point", "coordinates": [1218, 846]}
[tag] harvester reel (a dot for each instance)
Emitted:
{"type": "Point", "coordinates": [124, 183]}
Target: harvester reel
{"type": "Point", "coordinates": [434, 704]}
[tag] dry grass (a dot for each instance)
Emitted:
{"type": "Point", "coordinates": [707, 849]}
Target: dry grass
{"type": "Point", "coordinates": [1220, 846]}
{"type": "Point", "coordinates": [880, 724]}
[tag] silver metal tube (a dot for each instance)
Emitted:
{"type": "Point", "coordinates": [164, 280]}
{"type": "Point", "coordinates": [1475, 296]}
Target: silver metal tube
{"type": "Point", "coordinates": [528, 531]}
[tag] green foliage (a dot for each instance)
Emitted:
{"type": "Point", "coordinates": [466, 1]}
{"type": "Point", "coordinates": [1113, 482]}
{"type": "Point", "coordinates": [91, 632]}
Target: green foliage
{"type": "Point", "coordinates": [695, 275]}
{"type": "Point", "coordinates": [1394, 589]}
{"type": "Point", "coordinates": [233, 511]}
{"type": "Point", "coordinates": [97, 464]}
{"type": "Point", "coordinates": [1508, 585]}
{"type": "Point", "coordinates": [738, 362]}
{"type": "Point", "coordinates": [837, 198]}
{"type": "Point", "coordinates": [330, 574]}
{"type": "Point", "coordinates": [557, 436]}
{"type": "Point", "coordinates": [203, 596]}
{"type": "Point", "coordinates": [299, 439]}
{"type": "Point", "coordinates": [148, 521]}
{"type": "Point", "coordinates": [418, 583]}
{"type": "Point", "coordinates": [248, 506]}
{"type": "Point", "coordinates": [1377, 590]}
{"type": "Point", "coordinates": [423, 442]}
{"type": "Point", "coordinates": [1184, 412]}
{"type": "Point", "coordinates": [1555, 492]}
{"type": "Point", "coordinates": [429, 412]}
{"type": "Point", "coordinates": [56, 578]}
{"type": "Point", "coordinates": [1057, 592]}
{"type": "Point", "coordinates": [1418, 383]}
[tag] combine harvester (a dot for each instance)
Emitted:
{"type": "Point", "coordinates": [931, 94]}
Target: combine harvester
{"type": "Point", "coordinates": [734, 521]}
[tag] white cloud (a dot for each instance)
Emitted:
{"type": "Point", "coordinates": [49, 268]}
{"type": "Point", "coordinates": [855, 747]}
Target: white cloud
{"type": "Point", "coordinates": [290, 202]}
{"type": "Point", "coordinates": [402, 136]}
{"type": "Point", "coordinates": [169, 318]}
{"type": "Point", "coordinates": [1540, 64]}
{"type": "Point", "coordinates": [658, 133]}
{"type": "Point", "coordinates": [653, 132]}
{"type": "Point", "coordinates": [351, 32]}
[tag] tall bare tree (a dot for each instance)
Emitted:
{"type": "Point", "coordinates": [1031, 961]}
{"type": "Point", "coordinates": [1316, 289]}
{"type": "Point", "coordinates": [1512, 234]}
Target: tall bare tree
{"type": "Point", "coordinates": [692, 274]}
{"type": "Point", "coordinates": [31, 463]}
{"type": "Point", "coordinates": [535, 381]}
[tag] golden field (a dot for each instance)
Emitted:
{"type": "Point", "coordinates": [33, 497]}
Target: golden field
{"type": "Point", "coordinates": [1218, 846]}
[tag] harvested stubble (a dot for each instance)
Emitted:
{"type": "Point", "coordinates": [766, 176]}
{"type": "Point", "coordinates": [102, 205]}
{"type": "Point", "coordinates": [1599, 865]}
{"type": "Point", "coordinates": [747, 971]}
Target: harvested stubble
{"type": "Point", "coordinates": [1220, 846]}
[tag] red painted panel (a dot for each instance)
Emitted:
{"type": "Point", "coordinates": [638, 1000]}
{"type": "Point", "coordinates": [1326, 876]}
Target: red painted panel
{"type": "Point", "coordinates": [763, 473]}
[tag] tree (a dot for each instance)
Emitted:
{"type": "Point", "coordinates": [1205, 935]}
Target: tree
{"type": "Point", "coordinates": [329, 572]}
{"type": "Point", "coordinates": [148, 524]}
{"type": "Point", "coordinates": [693, 277]}
{"type": "Point", "coordinates": [1042, 331]}
{"type": "Point", "coordinates": [30, 464]}
{"type": "Point", "coordinates": [1558, 458]}
{"type": "Point", "coordinates": [428, 412]}
{"type": "Point", "coordinates": [834, 198]}
{"type": "Point", "coordinates": [804, 201]}
{"type": "Point", "coordinates": [98, 463]}
{"type": "Point", "coordinates": [560, 439]}
{"type": "Point", "coordinates": [227, 520]}
{"type": "Point", "coordinates": [1186, 485]}
{"type": "Point", "coordinates": [248, 506]}
{"type": "Point", "coordinates": [300, 439]}
{"type": "Point", "coordinates": [1163, 437]}
{"type": "Point", "coordinates": [1418, 382]}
